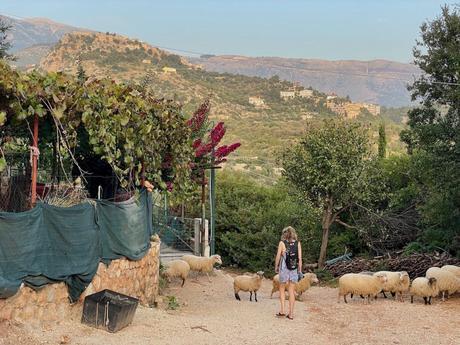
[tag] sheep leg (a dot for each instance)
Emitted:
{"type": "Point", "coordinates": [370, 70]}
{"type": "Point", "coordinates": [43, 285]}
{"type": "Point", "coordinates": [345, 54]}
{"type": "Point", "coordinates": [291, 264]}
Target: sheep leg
{"type": "Point", "coordinates": [255, 295]}
{"type": "Point", "coordinates": [250, 296]}
{"type": "Point", "coordinates": [237, 296]}
{"type": "Point", "coordinates": [384, 296]}
{"type": "Point", "coordinates": [351, 295]}
{"type": "Point", "coordinates": [393, 294]}
{"type": "Point", "coordinates": [429, 300]}
{"type": "Point", "coordinates": [426, 300]}
{"type": "Point", "coordinates": [345, 298]}
{"type": "Point", "coordinates": [209, 278]}
{"type": "Point", "coordinates": [361, 296]}
{"type": "Point", "coordinates": [183, 282]}
{"type": "Point", "coordinates": [412, 299]}
{"type": "Point", "coordinates": [443, 296]}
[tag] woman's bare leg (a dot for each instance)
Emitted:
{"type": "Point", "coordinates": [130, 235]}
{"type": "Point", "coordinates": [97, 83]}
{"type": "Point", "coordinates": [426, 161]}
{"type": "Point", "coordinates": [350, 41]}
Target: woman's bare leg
{"type": "Point", "coordinates": [282, 288]}
{"type": "Point", "coordinates": [291, 289]}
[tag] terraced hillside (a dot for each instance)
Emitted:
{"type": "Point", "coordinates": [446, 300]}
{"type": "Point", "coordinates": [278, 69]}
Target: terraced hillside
{"type": "Point", "coordinates": [263, 130]}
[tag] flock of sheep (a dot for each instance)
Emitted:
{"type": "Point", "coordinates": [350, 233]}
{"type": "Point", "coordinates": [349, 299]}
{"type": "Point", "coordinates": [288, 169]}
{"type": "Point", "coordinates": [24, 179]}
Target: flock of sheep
{"type": "Point", "coordinates": [444, 280]}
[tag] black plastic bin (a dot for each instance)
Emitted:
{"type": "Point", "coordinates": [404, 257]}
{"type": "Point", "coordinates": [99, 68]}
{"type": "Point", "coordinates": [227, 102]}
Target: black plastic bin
{"type": "Point", "coordinates": [109, 310]}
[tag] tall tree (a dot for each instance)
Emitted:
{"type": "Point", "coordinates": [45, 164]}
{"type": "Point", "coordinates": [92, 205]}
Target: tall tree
{"type": "Point", "coordinates": [4, 45]}
{"type": "Point", "coordinates": [434, 126]}
{"type": "Point", "coordinates": [382, 141]}
{"type": "Point", "coordinates": [328, 168]}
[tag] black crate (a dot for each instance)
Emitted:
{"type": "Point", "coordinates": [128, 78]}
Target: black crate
{"type": "Point", "coordinates": [109, 310]}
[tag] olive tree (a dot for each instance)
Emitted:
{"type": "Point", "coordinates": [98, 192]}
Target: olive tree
{"type": "Point", "coordinates": [328, 169]}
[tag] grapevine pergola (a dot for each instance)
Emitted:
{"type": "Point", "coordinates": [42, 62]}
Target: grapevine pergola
{"type": "Point", "coordinates": [139, 136]}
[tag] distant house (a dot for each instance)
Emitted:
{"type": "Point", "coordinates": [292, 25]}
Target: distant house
{"type": "Point", "coordinates": [336, 107]}
{"type": "Point", "coordinates": [374, 109]}
{"type": "Point", "coordinates": [306, 93]}
{"type": "Point", "coordinates": [257, 101]}
{"type": "Point", "coordinates": [147, 61]}
{"type": "Point", "coordinates": [287, 94]}
{"type": "Point", "coordinates": [353, 109]}
{"type": "Point", "coordinates": [169, 70]}
{"type": "Point", "coordinates": [331, 97]}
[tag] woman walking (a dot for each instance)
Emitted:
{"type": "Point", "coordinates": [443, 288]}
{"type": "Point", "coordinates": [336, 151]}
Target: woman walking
{"type": "Point", "coordinates": [288, 264]}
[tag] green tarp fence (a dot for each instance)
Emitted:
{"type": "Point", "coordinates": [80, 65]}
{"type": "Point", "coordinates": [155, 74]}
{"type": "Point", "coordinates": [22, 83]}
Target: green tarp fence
{"type": "Point", "coordinates": [51, 244]}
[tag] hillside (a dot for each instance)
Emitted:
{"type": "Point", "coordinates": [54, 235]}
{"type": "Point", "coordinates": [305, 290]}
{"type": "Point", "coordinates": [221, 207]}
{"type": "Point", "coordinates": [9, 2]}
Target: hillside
{"type": "Point", "coordinates": [33, 38]}
{"type": "Point", "coordinates": [263, 130]}
{"type": "Point", "coordinates": [30, 32]}
{"type": "Point", "coordinates": [376, 81]}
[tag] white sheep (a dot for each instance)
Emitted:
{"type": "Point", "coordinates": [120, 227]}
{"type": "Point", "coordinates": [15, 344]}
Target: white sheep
{"type": "Point", "coordinates": [424, 287]}
{"type": "Point", "coordinates": [360, 284]}
{"type": "Point", "coordinates": [447, 282]}
{"type": "Point", "coordinates": [177, 268]}
{"type": "Point", "coordinates": [397, 282]}
{"type": "Point", "coordinates": [248, 283]}
{"type": "Point", "coordinates": [451, 268]}
{"type": "Point", "coordinates": [202, 264]}
{"type": "Point", "coordinates": [300, 287]}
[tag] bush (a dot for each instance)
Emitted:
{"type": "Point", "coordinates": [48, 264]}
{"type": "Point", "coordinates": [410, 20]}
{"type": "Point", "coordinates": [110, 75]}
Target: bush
{"type": "Point", "coordinates": [250, 219]}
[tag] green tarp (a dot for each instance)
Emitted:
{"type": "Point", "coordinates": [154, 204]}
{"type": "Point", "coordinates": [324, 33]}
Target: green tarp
{"type": "Point", "coordinates": [51, 244]}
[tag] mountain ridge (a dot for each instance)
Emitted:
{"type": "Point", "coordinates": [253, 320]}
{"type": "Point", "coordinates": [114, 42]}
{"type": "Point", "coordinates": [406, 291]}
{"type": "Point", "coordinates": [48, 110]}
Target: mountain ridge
{"type": "Point", "coordinates": [376, 81]}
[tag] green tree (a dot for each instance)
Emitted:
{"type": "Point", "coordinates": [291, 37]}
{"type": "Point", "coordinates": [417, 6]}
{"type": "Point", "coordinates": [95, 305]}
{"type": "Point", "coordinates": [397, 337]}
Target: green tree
{"type": "Point", "coordinates": [81, 74]}
{"type": "Point", "coordinates": [4, 45]}
{"type": "Point", "coordinates": [434, 127]}
{"type": "Point", "coordinates": [328, 169]}
{"type": "Point", "coordinates": [382, 141]}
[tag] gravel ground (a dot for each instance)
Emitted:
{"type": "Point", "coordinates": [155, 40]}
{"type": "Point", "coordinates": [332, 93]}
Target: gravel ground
{"type": "Point", "coordinates": [209, 314]}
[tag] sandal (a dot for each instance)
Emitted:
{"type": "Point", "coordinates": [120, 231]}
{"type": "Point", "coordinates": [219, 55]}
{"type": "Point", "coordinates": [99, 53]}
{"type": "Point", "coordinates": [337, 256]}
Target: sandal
{"type": "Point", "coordinates": [280, 315]}
{"type": "Point", "coordinates": [289, 317]}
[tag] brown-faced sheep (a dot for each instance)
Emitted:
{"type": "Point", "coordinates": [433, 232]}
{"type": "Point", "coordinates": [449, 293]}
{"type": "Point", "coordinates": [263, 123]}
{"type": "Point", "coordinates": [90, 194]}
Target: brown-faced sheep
{"type": "Point", "coordinates": [424, 287]}
{"type": "Point", "coordinates": [300, 287]}
{"type": "Point", "coordinates": [447, 282]}
{"type": "Point", "coordinates": [248, 283]}
{"type": "Point", "coordinates": [202, 264]}
{"type": "Point", "coordinates": [360, 284]}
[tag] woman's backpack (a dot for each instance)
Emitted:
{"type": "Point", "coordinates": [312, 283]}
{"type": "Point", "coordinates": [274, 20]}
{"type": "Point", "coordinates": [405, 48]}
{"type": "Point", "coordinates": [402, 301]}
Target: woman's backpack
{"type": "Point", "coordinates": [292, 255]}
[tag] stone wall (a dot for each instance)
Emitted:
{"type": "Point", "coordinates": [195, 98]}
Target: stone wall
{"type": "Point", "coordinates": [138, 279]}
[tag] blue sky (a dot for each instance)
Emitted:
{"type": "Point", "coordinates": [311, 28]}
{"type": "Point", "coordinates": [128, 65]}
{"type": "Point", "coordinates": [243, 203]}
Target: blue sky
{"type": "Point", "coordinates": [333, 29]}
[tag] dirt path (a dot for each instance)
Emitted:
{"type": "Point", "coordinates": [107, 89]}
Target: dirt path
{"type": "Point", "coordinates": [209, 314]}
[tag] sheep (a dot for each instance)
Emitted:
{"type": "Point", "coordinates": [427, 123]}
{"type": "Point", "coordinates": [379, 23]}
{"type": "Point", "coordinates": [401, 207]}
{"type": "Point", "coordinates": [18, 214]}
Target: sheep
{"type": "Point", "coordinates": [451, 268]}
{"type": "Point", "coordinates": [202, 264]}
{"type": "Point", "coordinates": [396, 282]}
{"type": "Point", "coordinates": [361, 284]}
{"type": "Point", "coordinates": [248, 283]}
{"type": "Point", "coordinates": [369, 273]}
{"type": "Point", "coordinates": [424, 287]}
{"type": "Point", "coordinates": [177, 268]}
{"type": "Point", "coordinates": [300, 287]}
{"type": "Point", "coordinates": [447, 282]}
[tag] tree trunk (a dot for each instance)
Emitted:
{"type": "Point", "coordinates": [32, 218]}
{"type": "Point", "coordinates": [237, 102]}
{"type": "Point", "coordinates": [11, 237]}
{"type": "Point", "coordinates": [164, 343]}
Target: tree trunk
{"type": "Point", "coordinates": [324, 242]}
{"type": "Point", "coordinates": [326, 224]}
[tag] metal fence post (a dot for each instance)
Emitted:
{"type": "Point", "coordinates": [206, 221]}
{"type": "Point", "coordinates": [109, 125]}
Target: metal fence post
{"type": "Point", "coordinates": [197, 236]}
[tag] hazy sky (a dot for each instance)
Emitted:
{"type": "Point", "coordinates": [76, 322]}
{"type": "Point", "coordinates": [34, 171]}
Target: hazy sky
{"type": "Point", "coordinates": [325, 29]}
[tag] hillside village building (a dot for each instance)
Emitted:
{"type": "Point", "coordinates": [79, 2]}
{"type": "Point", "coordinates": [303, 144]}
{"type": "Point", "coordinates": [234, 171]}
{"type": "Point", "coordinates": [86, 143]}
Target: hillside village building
{"type": "Point", "coordinates": [168, 70]}
{"type": "Point", "coordinates": [257, 101]}
{"type": "Point", "coordinates": [351, 110]}
{"type": "Point", "coordinates": [287, 94]}
{"type": "Point", "coordinates": [306, 93]}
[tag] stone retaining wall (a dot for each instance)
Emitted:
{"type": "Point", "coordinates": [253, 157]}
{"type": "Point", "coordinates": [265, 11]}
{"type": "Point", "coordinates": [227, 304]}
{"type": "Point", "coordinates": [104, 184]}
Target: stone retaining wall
{"type": "Point", "coordinates": [134, 278]}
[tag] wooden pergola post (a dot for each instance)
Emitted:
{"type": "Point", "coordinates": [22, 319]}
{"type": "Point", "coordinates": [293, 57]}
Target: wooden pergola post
{"type": "Point", "coordinates": [34, 153]}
